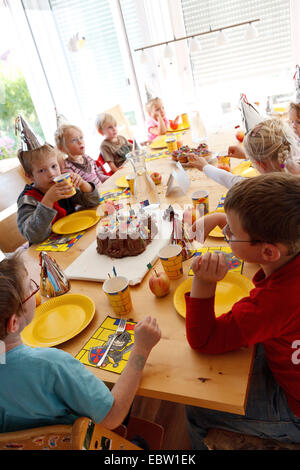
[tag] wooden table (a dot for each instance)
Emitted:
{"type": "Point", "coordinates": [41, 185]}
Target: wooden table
{"type": "Point", "coordinates": [173, 371]}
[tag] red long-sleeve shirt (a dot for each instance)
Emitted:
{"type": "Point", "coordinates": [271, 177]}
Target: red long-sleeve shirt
{"type": "Point", "coordinates": [270, 315]}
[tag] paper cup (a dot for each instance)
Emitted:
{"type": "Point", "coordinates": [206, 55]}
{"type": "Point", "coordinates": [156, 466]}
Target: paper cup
{"type": "Point", "coordinates": [200, 198]}
{"type": "Point", "coordinates": [171, 260]}
{"type": "Point", "coordinates": [66, 177]}
{"type": "Point", "coordinates": [118, 293]}
{"type": "Point", "coordinates": [130, 181]}
{"type": "Point", "coordinates": [171, 143]}
{"type": "Point", "coordinates": [185, 120]}
{"type": "Point", "coordinates": [224, 162]}
{"type": "Point", "coordinates": [179, 140]}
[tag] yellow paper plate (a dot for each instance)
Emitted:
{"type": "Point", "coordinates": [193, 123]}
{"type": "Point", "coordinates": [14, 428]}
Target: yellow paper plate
{"type": "Point", "coordinates": [232, 288]}
{"type": "Point", "coordinates": [245, 169]}
{"type": "Point", "coordinates": [216, 233]}
{"type": "Point", "coordinates": [180, 128]}
{"type": "Point", "coordinates": [122, 182]}
{"type": "Point", "coordinates": [58, 320]}
{"type": "Point", "coordinates": [76, 222]}
{"type": "Point", "coordinates": [159, 142]}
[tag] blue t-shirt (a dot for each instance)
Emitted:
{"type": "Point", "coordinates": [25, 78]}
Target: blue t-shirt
{"type": "Point", "coordinates": [45, 386]}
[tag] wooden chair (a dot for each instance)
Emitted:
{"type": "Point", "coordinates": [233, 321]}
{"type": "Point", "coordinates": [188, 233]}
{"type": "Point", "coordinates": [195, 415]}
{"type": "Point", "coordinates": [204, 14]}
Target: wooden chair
{"type": "Point", "coordinates": [82, 435]}
{"type": "Point", "coordinates": [219, 439]}
{"type": "Point", "coordinates": [123, 125]}
{"type": "Point", "coordinates": [153, 433]}
{"type": "Point", "coordinates": [12, 183]}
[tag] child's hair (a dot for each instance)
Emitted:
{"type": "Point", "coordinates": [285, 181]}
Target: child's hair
{"type": "Point", "coordinates": [102, 119]}
{"type": "Point", "coordinates": [28, 158]}
{"type": "Point", "coordinates": [295, 107]}
{"type": "Point", "coordinates": [268, 208]}
{"type": "Point", "coordinates": [60, 133]}
{"type": "Point", "coordinates": [151, 103]}
{"type": "Point", "coordinates": [272, 141]}
{"type": "Point", "coordinates": [12, 271]}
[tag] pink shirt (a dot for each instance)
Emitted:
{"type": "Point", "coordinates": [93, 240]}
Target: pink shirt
{"type": "Point", "coordinates": [152, 123]}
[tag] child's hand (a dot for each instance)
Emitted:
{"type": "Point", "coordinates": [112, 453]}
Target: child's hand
{"type": "Point", "coordinates": [80, 183]}
{"type": "Point", "coordinates": [236, 152]}
{"type": "Point", "coordinates": [196, 162]}
{"type": "Point", "coordinates": [210, 268]}
{"type": "Point", "coordinates": [146, 335]}
{"type": "Point", "coordinates": [56, 192]}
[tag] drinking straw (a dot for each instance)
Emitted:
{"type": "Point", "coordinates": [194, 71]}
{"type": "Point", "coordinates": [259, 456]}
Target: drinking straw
{"type": "Point", "coordinates": [114, 271]}
{"type": "Point", "coordinates": [109, 275]}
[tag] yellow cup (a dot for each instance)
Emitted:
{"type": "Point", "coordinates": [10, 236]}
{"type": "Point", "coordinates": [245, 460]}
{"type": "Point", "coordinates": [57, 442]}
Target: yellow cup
{"type": "Point", "coordinates": [185, 120]}
{"type": "Point", "coordinates": [224, 162]}
{"type": "Point", "coordinates": [118, 293]}
{"type": "Point", "coordinates": [200, 198]}
{"type": "Point", "coordinates": [130, 180]}
{"type": "Point", "coordinates": [171, 143]}
{"type": "Point", "coordinates": [66, 177]}
{"type": "Point", "coordinates": [171, 260]}
{"type": "Point", "coordinates": [179, 140]}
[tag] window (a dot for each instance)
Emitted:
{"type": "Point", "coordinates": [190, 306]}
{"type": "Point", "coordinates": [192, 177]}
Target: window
{"type": "Point", "coordinates": [259, 68]}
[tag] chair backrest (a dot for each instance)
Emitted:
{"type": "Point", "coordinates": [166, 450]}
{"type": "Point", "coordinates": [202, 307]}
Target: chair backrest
{"type": "Point", "coordinates": [82, 435]}
{"type": "Point", "coordinates": [123, 125]}
{"type": "Point", "coordinates": [12, 183]}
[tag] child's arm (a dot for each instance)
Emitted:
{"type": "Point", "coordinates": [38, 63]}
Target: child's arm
{"type": "Point", "coordinates": [160, 128]}
{"type": "Point", "coordinates": [146, 336]}
{"type": "Point", "coordinates": [113, 167]}
{"type": "Point", "coordinates": [204, 225]}
{"type": "Point", "coordinates": [208, 270]}
{"type": "Point", "coordinates": [35, 221]}
{"type": "Point", "coordinates": [223, 177]}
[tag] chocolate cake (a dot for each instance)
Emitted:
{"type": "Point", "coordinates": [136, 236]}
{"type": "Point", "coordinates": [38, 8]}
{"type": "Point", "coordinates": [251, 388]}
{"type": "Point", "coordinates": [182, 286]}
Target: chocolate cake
{"type": "Point", "coordinates": [125, 235]}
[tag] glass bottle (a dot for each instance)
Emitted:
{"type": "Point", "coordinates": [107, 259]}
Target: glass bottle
{"type": "Point", "coordinates": [144, 188]}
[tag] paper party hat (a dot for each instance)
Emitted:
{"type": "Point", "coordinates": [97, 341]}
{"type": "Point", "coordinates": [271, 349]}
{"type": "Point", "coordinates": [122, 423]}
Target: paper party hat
{"type": "Point", "coordinates": [29, 140]}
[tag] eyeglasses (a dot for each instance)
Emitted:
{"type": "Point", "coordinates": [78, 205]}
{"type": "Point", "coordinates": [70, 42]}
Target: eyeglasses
{"type": "Point", "coordinates": [34, 288]}
{"type": "Point", "coordinates": [227, 234]}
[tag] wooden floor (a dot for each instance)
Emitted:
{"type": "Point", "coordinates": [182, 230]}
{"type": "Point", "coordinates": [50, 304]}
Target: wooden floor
{"type": "Point", "coordinates": [169, 415]}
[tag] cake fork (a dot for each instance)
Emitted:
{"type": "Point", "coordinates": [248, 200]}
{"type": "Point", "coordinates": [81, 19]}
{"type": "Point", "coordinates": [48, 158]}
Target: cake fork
{"type": "Point", "coordinates": [119, 330]}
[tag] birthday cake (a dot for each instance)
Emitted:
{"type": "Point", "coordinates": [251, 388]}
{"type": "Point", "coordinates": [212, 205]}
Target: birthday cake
{"type": "Point", "coordinates": [181, 155]}
{"type": "Point", "coordinates": [125, 234]}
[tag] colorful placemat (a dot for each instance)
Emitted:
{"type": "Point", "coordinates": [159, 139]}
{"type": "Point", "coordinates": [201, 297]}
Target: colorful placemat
{"type": "Point", "coordinates": [114, 194]}
{"type": "Point", "coordinates": [235, 264]}
{"type": "Point", "coordinates": [220, 206]}
{"type": "Point", "coordinates": [155, 155]}
{"type": "Point", "coordinates": [118, 354]}
{"type": "Point", "coordinates": [60, 242]}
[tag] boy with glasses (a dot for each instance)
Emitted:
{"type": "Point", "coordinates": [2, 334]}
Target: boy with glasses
{"type": "Point", "coordinates": [263, 227]}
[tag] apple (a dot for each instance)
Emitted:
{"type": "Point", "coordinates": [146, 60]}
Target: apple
{"type": "Point", "coordinates": [156, 177]}
{"type": "Point", "coordinates": [240, 134]}
{"type": "Point", "coordinates": [174, 123]}
{"type": "Point", "coordinates": [159, 284]}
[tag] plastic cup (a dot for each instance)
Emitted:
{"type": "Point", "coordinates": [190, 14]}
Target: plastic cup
{"type": "Point", "coordinates": [171, 260]}
{"type": "Point", "coordinates": [171, 143]}
{"type": "Point", "coordinates": [118, 293]}
{"type": "Point", "coordinates": [200, 198]}
{"type": "Point", "coordinates": [130, 180]}
{"type": "Point", "coordinates": [66, 177]}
